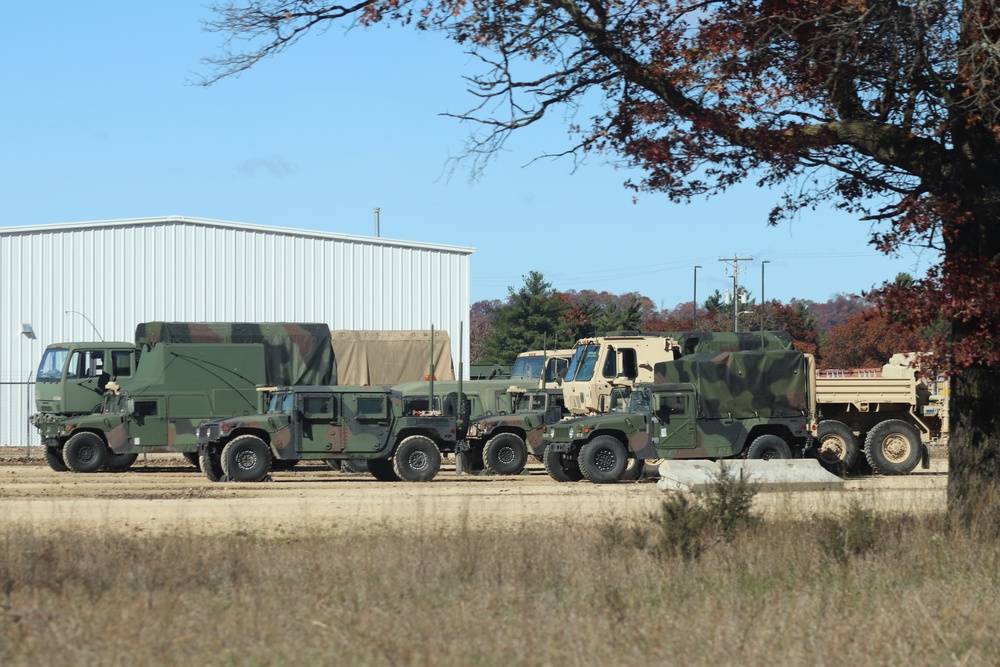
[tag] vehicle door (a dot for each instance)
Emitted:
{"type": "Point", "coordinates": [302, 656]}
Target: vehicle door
{"type": "Point", "coordinates": [317, 415]}
{"type": "Point", "coordinates": [672, 424]}
{"type": "Point", "coordinates": [85, 381]}
{"type": "Point", "coordinates": [148, 426]}
{"type": "Point", "coordinates": [366, 421]}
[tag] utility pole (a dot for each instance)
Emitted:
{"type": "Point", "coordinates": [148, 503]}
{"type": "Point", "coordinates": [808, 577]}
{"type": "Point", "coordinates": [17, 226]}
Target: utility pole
{"type": "Point", "coordinates": [734, 262]}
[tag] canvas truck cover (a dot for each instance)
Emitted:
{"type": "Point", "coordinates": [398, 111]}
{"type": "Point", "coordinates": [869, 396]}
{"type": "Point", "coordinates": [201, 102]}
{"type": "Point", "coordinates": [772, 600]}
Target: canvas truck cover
{"type": "Point", "coordinates": [743, 385]}
{"type": "Point", "coordinates": [295, 353]}
{"type": "Point", "coordinates": [694, 342]}
{"type": "Point", "coordinates": [390, 357]}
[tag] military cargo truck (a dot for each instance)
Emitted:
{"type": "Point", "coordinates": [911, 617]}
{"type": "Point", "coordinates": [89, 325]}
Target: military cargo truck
{"type": "Point", "coordinates": [188, 373]}
{"type": "Point", "coordinates": [889, 415]}
{"type": "Point", "coordinates": [705, 405]}
{"type": "Point", "coordinates": [70, 381]}
{"type": "Point", "coordinates": [500, 443]}
{"type": "Point", "coordinates": [339, 423]}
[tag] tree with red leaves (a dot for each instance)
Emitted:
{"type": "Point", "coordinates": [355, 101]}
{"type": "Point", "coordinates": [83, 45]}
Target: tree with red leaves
{"type": "Point", "coordinates": [889, 109]}
{"type": "Point", "coordinates": [867, 340]}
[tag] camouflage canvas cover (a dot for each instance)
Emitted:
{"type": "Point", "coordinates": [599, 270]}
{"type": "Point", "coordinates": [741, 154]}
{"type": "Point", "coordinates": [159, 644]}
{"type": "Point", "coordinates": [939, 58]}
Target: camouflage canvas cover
{"type": "Point", "coordinates": [369, 358]}
{"type": "Point", "coordinates": [295, 353]}
{"type": "Point", "coordinates": [742, 385]}
{"type": "Point", "coordinates": [693, 342]}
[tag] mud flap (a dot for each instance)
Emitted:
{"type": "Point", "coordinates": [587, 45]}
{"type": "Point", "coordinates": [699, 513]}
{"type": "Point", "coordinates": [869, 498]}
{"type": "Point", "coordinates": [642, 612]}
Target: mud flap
{"type": "Point", "coordinates": [461, 462]}
{"type": "Point", "coordinates": [925, 457]}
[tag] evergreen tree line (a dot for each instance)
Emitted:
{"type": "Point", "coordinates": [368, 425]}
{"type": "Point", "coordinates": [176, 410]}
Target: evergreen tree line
{"type": "Point", "coordinates": [847, 331]}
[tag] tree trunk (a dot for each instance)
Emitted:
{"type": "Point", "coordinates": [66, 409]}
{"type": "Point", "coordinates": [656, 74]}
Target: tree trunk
{"type": "Point", "coordinates": [974, 451]}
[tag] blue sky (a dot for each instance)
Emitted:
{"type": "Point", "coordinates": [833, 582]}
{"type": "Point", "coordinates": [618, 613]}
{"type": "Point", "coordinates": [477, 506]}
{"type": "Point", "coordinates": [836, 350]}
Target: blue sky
{"type": "Point", "coordinates": [101, 120]}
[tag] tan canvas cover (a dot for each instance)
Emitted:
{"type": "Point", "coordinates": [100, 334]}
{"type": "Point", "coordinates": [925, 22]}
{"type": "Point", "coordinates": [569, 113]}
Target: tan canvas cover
{"type": "Point", "coordinates": [389, 357]}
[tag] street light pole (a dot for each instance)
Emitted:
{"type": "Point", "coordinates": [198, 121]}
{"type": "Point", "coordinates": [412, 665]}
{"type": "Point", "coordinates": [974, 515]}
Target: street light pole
{"type": "Point", "coordinates": [694, 301]}
{"type": "Point", "coordinates": [88, 322]}
{"type": "Point", "coordinates": [763, 303]}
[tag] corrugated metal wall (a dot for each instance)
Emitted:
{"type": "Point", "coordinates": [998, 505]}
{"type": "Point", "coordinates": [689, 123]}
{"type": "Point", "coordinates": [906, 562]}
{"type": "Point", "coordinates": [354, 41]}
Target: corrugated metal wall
{"type": "Point", "coordinates": [120, 273]}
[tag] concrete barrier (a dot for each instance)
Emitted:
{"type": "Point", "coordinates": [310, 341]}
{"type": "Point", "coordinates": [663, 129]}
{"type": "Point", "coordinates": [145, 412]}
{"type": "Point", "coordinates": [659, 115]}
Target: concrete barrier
{"type": "Point", "coordinates": [772, 475]}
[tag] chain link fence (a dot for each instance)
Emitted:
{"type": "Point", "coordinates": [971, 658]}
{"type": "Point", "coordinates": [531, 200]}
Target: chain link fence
{"type": "Point", "coordinates": [17, 403]}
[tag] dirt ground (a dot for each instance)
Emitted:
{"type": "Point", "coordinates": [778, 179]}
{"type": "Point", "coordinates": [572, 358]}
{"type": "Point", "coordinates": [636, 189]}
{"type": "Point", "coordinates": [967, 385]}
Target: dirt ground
{"type": "Point", "coordinates": [163, 493]}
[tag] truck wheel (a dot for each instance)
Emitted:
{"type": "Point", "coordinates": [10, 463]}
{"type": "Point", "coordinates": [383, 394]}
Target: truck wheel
{"type": "Point", "coordinates": [836, 447]}
{"type": "Point", "coordinates": [603, 460]}
{"type": "Point", "coordinates": [504, 454]}
{"type": "Point", "coordinates": [892, 447]}
{"type": "Point", "coordinates": [417, 459]}
{"type": "Point", "coordinates": [192, 458]}
{"type": "Point", "coordinates": [561, 467]}
{"type": "Point", "coordinates": [382, 470]}
{"type": "Point", "coordinates": [85, 452]}
{"type": "Point", "coordinates": [120, 462]}
{"type": "Point", "coordinates": [54, 457]}
{"type": "Point", "coordinates": [246, 459]}
{"type": "Point", "coordinates": [211, 464]}
{"type": "Point", "coordinates": [354, 465]}
{"type": "Point", "coordinates": [769, 447]}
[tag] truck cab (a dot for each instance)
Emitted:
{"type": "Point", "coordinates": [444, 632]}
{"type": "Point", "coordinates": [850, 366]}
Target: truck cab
{"type": "Point", "coordinates": [71, 377]}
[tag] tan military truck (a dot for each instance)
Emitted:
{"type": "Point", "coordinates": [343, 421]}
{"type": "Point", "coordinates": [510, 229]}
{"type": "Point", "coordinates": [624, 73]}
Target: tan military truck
{"type": "Point", "coordinates": [889, 414]}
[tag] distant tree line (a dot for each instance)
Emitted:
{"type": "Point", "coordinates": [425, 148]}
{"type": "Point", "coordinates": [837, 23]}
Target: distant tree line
{"type": "Point", "coordinates": [847, 331]}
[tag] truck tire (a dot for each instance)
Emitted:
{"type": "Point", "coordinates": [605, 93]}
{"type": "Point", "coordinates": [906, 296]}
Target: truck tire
{"type": "Point", "coordinates": [769, 447]}
{"type": "Point", "coordinates": [246, 459]}
{"type": "Point", "coordinates": [54, 457]}
{"type": "Point", "coordinates": [893, 447]}
{"type": "Point", "coordinates": [382, 470]}
{"type": "Point", "coordinates": [633, 469]}
{"type": "Point", "coordinates": [417, 459]}
{"type": "Point", "coordinates": [353, 465]}
{"type": "Point", "coordinates": [85, 452]}
{"type": "Point", "coordinates": [504, 454]}
{"type": "Point", "coordinates": [603, 460]}
{"type": "Point", "coordinates": [561, 467]}
{"type": "Point", "coordinates": [120, 462]}
{"type": "Point", "coordinates": [211, 464]}
{"type": "Point", "coordinates": [192, 458]}
{"type": "Point", "coordinates": [836, 446]}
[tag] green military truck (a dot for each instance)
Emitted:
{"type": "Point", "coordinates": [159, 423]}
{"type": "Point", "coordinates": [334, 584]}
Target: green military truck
{"type": "Point", "coordinates": [70, 381]}
{"type": "Point", "coordinates": [500, 443]}
{"type": "Point", "coordinates": [371, 424]}
{"type": "Point", "coordinates": [187, 373]}
{"type": "Point", "coordinates": [701, 406]}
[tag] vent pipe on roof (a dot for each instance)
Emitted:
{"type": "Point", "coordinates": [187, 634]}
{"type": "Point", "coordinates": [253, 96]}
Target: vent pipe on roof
{"type": "Point", "coordinates": [377, 209]}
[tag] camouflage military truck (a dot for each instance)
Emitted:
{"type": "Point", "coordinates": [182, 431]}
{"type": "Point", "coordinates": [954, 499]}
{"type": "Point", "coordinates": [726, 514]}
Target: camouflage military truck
{"type": "Point", "coordinates": [372, 424]}
{"type": "Point", "coordinates": [70, 381]}
{"type": "Point", "coordinates": [500, 443]}
{"type": "Point", "coordinates": [626, 358]}
{"type": "Point", "coordinates": [188, 373]}
{"type": "Point", "coordinates": [706, 405]}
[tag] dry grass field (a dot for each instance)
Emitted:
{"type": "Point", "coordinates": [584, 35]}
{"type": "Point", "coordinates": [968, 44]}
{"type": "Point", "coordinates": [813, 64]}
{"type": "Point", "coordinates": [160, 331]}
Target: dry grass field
{"type": "Point", "coordinates": [160, 566]}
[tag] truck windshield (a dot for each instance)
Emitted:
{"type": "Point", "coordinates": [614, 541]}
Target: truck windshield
{"type": "Point", "coordinates": [280, 403]}
{"type": "Point", "coordinates": [527, 368]}
{"type": "Point", "coordinates": [51, 366]}
{"type": "Point", "coordinates": [581, 366]}
{"type": "Point", "coordinates": [639, 401]}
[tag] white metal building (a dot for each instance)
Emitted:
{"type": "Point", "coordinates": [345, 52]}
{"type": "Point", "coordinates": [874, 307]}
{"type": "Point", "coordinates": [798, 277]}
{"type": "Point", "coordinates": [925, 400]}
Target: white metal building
{"type": "Point", "coordinates": [97, 280]}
